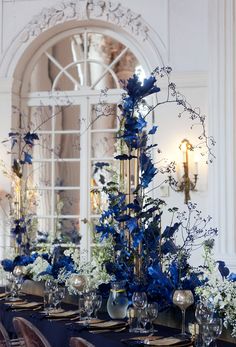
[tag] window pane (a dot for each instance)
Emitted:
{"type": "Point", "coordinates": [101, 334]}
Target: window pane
{"type": "Point", "coordinates": [67, 146]}
{"type": "Point", "coordinates": [103, 144]}
{"type": "Point", "coordinates": [41, 118]}
{"type": "Point", "coordinates": [104, 116]}
{"type": "Point", "coordinates": [44, 207]}
{"type": "Point", "coordinates": [41, 174]}
{"type": "Point", "coordinates": [67, 202]}
{"type": "Point", "coordinates": [68, 118]}
{"type": "Point", "coordinates": [67, 174]}
{"type": "Point", "coordinates": [70, 230]}
{"type": "Point", "coordinates": [44, 228]}
{"type": "Point", "coordinates": [43, 149]}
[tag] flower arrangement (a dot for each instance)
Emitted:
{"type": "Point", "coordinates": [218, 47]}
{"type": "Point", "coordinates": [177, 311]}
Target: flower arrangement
{"type": "Point", "coordinates": [219, 290]}
{"type": "Point", "coordinates": [60, 265]}
{"type": "Point", "coordinates": [149, 257]}
{"type": "Point", "coordinates": [135, 246]}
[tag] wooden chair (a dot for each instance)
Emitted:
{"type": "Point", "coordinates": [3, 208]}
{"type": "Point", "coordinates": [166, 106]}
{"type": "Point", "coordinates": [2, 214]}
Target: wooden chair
{"type": "Point", "coordinates": [5, 340]}
{"type": "Point", "coordinates": [30, 334]}
{"type": "Point", "coordinates": [79, 342]}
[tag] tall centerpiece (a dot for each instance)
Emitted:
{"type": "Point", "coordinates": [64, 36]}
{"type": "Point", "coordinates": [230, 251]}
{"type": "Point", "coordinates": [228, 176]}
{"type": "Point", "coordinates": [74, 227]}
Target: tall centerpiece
{"type": "Point", "coordinates": [146, 254]}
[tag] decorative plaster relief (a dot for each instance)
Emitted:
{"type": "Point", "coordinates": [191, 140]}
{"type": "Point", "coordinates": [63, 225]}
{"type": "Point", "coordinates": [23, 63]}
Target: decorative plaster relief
{"type": "Point", "coordinates": [83, 10]}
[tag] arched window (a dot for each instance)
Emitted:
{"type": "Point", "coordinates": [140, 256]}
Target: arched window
{"type": "Point", "coordinates": [69, 94]}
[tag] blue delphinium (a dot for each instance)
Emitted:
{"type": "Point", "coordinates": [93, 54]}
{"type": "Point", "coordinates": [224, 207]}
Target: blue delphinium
{"type": "Point", "coordinates": [145, 255]}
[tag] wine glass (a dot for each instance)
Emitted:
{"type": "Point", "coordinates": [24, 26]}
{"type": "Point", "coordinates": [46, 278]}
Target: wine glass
{"type": "Point", "coordinates": [58, 296]}
{"type": "Point", "coordinates": [183, 299]}
{"type": "Point", "coordinates": [88, 306]}
{"type": "Point", "coordinates": [152, 310]}
{"type": "Point", "coordinates": [204, 314]}
{"type": "Point", "coordinates": [212, 330]}
{"type": "Point", "coordinates": [216, 328]}
{"type": "Point", "coordinates": [139, 300]}
{"type": "Point", "coordinates": [50, 285]}
{"type": "Point", "coordinates": [97, 304]}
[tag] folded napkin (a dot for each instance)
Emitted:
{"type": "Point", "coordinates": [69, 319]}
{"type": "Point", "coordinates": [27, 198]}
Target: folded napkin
{"type": "Point", "coordinates": [62, 314]}
{"type": "Point", "coordinates": [12, 301]}
{"type": "Point", "coordinates": [106, 325]}
{"type": "Point", "coordinates": [3, 295]}
{"type": "Point", "coordinates": [167, 341]}
{"type": "Point", "coordinates": [25, 305]}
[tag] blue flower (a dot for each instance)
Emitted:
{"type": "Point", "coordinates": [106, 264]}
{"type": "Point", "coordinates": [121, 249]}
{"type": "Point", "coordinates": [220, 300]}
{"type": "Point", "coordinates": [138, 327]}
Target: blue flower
{"type": "Point", "coordinates": [136, 90]}
{"type": "Point", "coordinates": [153, 130]}
{"type": "Point", "coordinates": [232, 277]}
{"type": "Point", "coordinates": [29, 138]}
{"type": "Point", "coordinates": [148, 170]}
{"type": "Point", "coordinates": [224, 270]}
{"type": "Point", "coordinates": [7, 265]}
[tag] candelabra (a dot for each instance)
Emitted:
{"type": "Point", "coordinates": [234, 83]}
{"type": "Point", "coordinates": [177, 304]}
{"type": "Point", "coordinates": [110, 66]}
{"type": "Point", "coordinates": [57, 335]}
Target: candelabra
{"type": "Point", "coordinates": [185, 185]}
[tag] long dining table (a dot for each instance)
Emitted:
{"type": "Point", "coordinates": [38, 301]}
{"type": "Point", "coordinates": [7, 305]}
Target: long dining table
{"type": "Point", "coordinates": [59, 331]}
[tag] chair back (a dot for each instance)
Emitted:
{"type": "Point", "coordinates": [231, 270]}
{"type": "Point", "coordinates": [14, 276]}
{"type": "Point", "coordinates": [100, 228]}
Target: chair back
{"type": "Point", "coordinates": [4, 337]}
{"type": "Point", "coordinates": [79, 342]}
{"type": "Point", "coordinates": [31, 335]}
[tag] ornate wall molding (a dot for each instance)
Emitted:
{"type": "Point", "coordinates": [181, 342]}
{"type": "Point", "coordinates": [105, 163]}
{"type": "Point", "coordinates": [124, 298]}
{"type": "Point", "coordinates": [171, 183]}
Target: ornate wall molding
{"type": "Point", "coordinates": [84, 10]}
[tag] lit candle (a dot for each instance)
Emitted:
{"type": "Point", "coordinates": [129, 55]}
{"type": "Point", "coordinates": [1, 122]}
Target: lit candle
{"type": "Point", "coordinates": [196, 161]}
{"type": "Point", "coordinates": [184, 150]}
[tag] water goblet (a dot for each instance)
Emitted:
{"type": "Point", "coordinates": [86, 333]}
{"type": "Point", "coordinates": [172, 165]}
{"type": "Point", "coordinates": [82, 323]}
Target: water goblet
{"type": "Point", "coordinates": [145, 321]}
{"type": "Point", "coordinates": [97, 304]}
{"type": "Point", "coordinates": [211, 331]}
{"type": "Point", "coordinates": [204, 314]}
{"type": "Point", "coordinates": [88, 306]}
{"type": "Point", "coordinates": [50, 285]}
{"type": "Point", "coordinates": [183, 299]}
{"type": "Point", "coordinates": [58, 296]}
{"type": "Point", "coordinates": [152, 310]}
{"type": "Point", "coordinates": [48, 301]}
{"type": "Point", "coordinates": [139, 300]}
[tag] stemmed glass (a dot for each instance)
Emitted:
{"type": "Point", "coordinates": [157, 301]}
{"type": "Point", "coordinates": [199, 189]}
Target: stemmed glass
{"type": "Point", "coordinates": [97, 304]}
{"type": "Point", "coordinates": [139, 300]}
{"type": "Point", "coordinates": [89, 305]}
{"type": "Point", "coordinates": [152, 311]}
{"type": "Point", "coordinates": [183, 299]}
{"type": "Point", "coordinates": [58, 296]}
{"type": "Point", "coordinates": [211, 331]}
{"type": "Point", "coordinates": [204, 314]}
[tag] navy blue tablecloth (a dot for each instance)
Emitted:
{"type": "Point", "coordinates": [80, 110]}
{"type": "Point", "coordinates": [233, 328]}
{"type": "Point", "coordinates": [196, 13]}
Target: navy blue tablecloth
{"type": "Point", "coordinates": [58, 333]}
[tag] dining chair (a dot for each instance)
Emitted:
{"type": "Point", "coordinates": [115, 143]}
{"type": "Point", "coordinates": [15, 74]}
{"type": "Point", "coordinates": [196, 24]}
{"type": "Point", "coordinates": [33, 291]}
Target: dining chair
{"type": "Point", "coordinates": [79, 342]}
{"type": "Point", "coordinates": [30, 334]}
{"type": "Point", "coordinates": [5, 340]}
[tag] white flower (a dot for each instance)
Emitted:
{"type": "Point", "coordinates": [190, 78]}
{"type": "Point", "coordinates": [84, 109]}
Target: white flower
{"type": "Point", "coordinates": [39, 265]}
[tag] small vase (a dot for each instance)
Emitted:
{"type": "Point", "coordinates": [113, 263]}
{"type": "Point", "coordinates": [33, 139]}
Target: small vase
{"type": "Point", "coordinates": [117, 303]}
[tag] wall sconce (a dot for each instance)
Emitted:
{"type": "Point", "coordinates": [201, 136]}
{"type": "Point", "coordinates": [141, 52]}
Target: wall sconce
{"type": "Point", "coordinates": [185, 185]}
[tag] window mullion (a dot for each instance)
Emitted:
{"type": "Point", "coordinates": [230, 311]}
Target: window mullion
{"type": "Point", "coordinates": [84, 182]}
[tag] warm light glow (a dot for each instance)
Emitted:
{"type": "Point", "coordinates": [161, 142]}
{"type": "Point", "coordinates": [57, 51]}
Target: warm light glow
{"type": "Point", "coordinates": [140, 72]}
{"type": "Point", "coordinates": [183, 148]}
